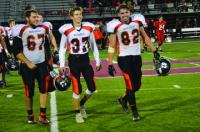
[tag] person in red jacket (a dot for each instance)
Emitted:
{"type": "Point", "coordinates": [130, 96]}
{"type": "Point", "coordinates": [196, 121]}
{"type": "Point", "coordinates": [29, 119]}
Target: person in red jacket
{"type": "Point", "coordinates": [160, 27]}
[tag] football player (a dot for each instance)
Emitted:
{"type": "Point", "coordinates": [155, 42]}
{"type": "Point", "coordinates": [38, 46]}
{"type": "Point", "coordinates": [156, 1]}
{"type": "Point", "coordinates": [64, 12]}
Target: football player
{"type": "Point", "coordinates": [9, 41]}
{"type": "Point", "coordinates": [124, 34]}
{"type": "Point", "coordinates": [77, 37]}
{"type": "Point", "coordinates": [3, 55]}
{"type": "Point", "coordinates": [50, 41]}
{"type": "Point", "coordinates": [28, 42]}
{"type": "Point", "coordinates": [160, 29]}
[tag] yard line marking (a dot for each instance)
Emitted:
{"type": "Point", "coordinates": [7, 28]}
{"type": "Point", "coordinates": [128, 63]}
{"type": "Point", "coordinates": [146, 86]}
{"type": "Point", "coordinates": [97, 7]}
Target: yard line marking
{"type": "Point", "coordinates": [176, 59]}
{"type": "Point", "coordinates": [194, 64]}
{"type": "Point", "coordinates": [169, 58]}
{"type": "Point", "coordinates": [186, 42]}
{"type": "Point", "coordinates": [177, 86]}
{"type": "Point", "coordinates": [147, 89]}
{"type": "Point", "coordinates": [53, 107]}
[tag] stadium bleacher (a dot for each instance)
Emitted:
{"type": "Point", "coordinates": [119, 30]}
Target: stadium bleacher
{"type": "Point", "coordinates": [57, 11]}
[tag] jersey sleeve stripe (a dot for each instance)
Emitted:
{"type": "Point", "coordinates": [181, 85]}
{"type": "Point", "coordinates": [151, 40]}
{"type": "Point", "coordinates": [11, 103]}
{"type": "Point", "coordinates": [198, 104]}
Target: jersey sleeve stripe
{"type": "Point", "coordinates": [117, 27]}
{"type": "Point", "coordinates": [22, 30]}
{"type": "Point", "coordinates": [45, 27]}
{"type": "Point", "coordinates": [2, 32]}
{"type": "Point", "coordinates": [90, 29]}
{"type": "Point", "coordinates": [139, 22]}
{"type": "Point", "coordinates": [68, 31]}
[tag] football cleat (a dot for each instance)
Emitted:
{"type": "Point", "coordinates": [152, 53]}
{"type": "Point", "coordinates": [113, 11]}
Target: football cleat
{"type": "Point", "coordinates": [162, 66]}
{"type": "Point", "coordinates": [2, 84]}
{"type": "Point", "coordinates": [124, 105]}
{"type": "Point", "coordinates": [43, 119]}
{"type": "Point", "coordinates": [83, 112]}
{"type": "Point", "coordinates": [31, 119]}
{"type": "Point", "coordinates": [79, 118]}
{"type": "Point", "coordinates": [136, 116]}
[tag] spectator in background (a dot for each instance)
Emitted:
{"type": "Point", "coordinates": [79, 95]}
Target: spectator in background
{"type": "Point", "coordinates": [188, 23]}
{"type": "Point", "coordinates": [143, 6]}
{"type": "Point", "coordinates": [98, 35]}
{"type": "Point", "coordinates": [195, 23]}
{"type": "Point", "coordinates": [115, 3]}
{"type": "Point", "coordinates": [182, 6]}
{"type": "Point", "coordinates": [178, 28]}
{"type": "Point", "coordinates": [195, 5]}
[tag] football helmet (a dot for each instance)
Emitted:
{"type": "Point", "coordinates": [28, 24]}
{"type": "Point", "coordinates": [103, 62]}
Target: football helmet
{"type": "Point", "coordinates": [162, 66]}
{"type": "Point", "coordinates": [60, 81]}
{"type": "Point", "coordinates": [12, 64]}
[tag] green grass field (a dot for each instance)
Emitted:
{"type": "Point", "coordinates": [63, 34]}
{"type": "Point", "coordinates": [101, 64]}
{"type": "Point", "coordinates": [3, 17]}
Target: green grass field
{"type": "Point", "coordinates": [163, 106]}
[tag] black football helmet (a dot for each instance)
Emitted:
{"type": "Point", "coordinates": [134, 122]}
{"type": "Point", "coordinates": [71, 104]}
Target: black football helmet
{"type": "Point", "coordinates": [60, 81]}
{"type": "Point", "coordinates": [12, 64]}
{"type": "Point", "coordinates": [162, 66]}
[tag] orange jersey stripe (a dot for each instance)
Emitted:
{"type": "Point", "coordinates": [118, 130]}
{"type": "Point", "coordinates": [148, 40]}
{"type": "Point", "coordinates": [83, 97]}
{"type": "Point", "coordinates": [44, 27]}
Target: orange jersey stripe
{"type": "Point", "coordinates": [75, 84]}
{"type": "Point", "coordinates": [68, 31]}
{"type": "Point", "coordinates": [47, 78]}
{"type": "Point", "coordinates": [117, 27]}
{"type": "Point", "coordinates": [45, 27]}
{"type": "Point", "coordinates": [22, 30]}
{"type": "Point", "coordinates": [87, 28]}
{"type": "Point", "coordinates": [128, 81]}
{"type": "Point", "coordinates": [25, 88]}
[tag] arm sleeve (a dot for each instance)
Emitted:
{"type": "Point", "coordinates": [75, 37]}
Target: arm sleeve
{"type": "Point", "coordinates": [62, 50]}
{"type": "Point", "coordinates": [94, 49]}
{"type": "Point", "coordinates": [17, 45]}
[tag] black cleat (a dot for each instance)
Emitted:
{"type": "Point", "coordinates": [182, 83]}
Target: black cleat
{"type": "Point", "coordinates": [31, 119]}
{"type": "Point", "coordinates": [136, 116]}
{"type": "Point", "coordinates": [124, 105]}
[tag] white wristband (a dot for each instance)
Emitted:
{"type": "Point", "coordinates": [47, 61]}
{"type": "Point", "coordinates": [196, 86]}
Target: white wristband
{"type": "Point", "coordinates": [6, 50]}
{"type": "Point", "coordinates": [111, 50]}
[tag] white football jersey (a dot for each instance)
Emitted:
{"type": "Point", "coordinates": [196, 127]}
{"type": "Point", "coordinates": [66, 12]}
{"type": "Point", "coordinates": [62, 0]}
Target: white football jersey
{"type": "Point", "coordinates": [128, 40]}
{"type": "Point", "coordinates": [139, 17]}
{"type": "Point", "coordinates": [2, 31]}
{"type": "Point", "coordinates": [3, 34]}
{"type": "Point", "coordinates": [50, 26]}
{"type": "Point", "coordinates": [77, 40]}
{"type": "Point", "coordinates": [33, 41]}
{"type": "Point", "coordinates": [8, 33]}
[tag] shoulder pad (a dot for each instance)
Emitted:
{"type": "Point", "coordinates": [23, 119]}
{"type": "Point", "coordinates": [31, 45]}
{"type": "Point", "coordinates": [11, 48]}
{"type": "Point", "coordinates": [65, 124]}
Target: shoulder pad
{"type": "Point", "coordinates": [64, 27]}
{"type": "Point", "coordinates": [110, 27]}
{"type": "Point", "coordinates": [15, 31]}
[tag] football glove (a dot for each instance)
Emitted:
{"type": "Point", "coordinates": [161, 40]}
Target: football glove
{"type": "Point", "coordinates": [111, 70]}
{"type": "Point", "coordinates": [156, 55]}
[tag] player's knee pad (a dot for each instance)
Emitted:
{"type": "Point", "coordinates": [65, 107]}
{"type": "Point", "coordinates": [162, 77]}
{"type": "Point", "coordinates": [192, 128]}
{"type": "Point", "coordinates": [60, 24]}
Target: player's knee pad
{"type": "Point", "coordinates": [76, 96]}
{"type": "Point", "coordinates": [89, 92]}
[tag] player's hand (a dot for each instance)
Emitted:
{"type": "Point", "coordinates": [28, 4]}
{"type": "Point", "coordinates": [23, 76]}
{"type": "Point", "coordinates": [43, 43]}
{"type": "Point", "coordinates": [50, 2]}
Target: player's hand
{"type": "Point", "coordinates": [55, 52]}
{"type": "Point", "coordinates": [31, 65]}
{"type": "Point", "coordinates": [98, 68]}
{"type": "Point", "coordinates": [111, 70]}
{"type": "Point", "coordinates": [62, 69]}
{"type": "Point", "coordinates": [156, 55]}
{"type": "Point", "coordinates": [8, 54]}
